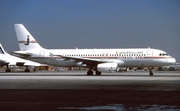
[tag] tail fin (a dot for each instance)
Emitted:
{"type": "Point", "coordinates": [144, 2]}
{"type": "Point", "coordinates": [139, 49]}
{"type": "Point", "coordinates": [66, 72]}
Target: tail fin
{"type": "Point", "coordinates": [25, 39]}
{"type": "Point", "coordinates": [2, 51]}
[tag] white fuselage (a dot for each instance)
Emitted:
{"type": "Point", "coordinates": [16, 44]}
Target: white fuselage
{"type": "Point", "coordinates": [144, 57]}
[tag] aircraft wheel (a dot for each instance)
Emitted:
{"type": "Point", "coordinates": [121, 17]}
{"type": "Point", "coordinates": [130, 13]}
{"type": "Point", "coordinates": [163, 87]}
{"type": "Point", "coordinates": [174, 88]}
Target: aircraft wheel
{"type": "Point", "coordinates": [98, 73]}
{"type": "Point", "coordinates": [8, 70]}
{"type": "Point", "coordinates": [27, 70]}
{"type": "Point", "coordinates": [90, 73]}
{"type": "Point", "coordinates": [151, 74]}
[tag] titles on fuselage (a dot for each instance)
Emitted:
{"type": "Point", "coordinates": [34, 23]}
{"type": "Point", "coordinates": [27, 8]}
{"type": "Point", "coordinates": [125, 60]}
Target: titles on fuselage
{"type": "Point", "coordinates": [129, 52]}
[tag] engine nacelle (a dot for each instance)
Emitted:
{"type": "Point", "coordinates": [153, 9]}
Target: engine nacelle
{"type": "Point", "coordinates": [107, 67]}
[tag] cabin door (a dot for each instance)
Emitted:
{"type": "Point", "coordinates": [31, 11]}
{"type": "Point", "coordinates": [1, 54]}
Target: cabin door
{"type": "Point", "coordinates": [150, 55]}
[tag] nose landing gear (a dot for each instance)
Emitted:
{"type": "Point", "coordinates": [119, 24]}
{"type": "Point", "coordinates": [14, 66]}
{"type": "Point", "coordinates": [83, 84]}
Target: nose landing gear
{"type": "Point", "coordinates": [150, 72]}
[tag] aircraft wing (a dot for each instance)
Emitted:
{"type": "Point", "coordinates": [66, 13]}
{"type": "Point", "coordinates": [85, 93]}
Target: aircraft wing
{"type": "Point", "coordinates": [3, 63]}
{"type": "Point", "coordinates": [7, 59]}
{"type": "Point", "coordinates": [31, 63]}
{"type": "Point", "coordinates": [20, 63]}
{"type": "Point", "coordinates": [86, 60]}
{"type": "Point", "coordinates": [12, 60]}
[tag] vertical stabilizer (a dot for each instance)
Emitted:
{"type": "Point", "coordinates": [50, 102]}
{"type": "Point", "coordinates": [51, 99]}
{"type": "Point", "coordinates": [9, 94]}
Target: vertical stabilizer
{"type": "Point", "coordinates": [25, 39]}
{"type": "Point", "coordinates": [2, 51]}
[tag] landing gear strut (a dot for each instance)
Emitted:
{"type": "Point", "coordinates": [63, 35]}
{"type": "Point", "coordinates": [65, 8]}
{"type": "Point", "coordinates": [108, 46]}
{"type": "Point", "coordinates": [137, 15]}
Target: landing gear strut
{"type": "Point", "coordinates": [8, 70]}
{"type": "Point", "coordinates": [90, 72]}
{"type": "Point", "coordinates": [150, 72]}
{"type": "Point", "coordinates": [27, 69]}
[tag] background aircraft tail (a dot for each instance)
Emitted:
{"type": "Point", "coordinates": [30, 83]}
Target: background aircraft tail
{"type": "Point", "coordinates": [25, 39]}
{"type": "Point", "coordinates": [2, 51]}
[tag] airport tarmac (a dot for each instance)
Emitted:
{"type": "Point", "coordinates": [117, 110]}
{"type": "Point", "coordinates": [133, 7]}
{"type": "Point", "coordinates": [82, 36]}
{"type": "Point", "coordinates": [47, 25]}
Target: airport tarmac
{"type": "Point", "coordinates": [74, 90]}
{"type": "Point", "coordinates": [140, 80]}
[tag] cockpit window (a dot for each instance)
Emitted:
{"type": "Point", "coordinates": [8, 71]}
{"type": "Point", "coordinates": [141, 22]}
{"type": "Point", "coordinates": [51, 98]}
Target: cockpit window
{"type": "Point", "coordinates": [163, 54]}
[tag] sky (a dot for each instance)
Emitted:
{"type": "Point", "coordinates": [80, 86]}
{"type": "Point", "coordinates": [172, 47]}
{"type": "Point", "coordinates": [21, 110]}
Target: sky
{"type": "Point", "coordinates": [57, 24]}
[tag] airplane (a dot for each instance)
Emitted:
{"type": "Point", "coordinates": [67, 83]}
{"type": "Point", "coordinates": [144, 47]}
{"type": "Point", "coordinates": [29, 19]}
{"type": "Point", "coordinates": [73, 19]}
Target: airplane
{"type": "Point", "coordinates": [99, 60]}
{"type": "Point", "coordinates": [7, 59]}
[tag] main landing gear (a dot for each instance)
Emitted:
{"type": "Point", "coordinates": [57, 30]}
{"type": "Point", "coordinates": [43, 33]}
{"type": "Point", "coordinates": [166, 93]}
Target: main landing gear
{"type": "Point", "coordinates": [90, 72]}
{"type": "Point", "coordinates": [150, 72]}
{"type": "Point", "coordinates": [27, 69]}
{"type": "Point", "coordinates": [7, 69]}
{"type": "Point", "coordinates": [98, 73]}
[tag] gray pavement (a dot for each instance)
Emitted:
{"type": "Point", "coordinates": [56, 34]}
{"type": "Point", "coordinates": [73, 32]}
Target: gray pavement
{"type": "Point", "coordinates": [74, 90]}
{"type": "Point", "coordinates": [132, 80]}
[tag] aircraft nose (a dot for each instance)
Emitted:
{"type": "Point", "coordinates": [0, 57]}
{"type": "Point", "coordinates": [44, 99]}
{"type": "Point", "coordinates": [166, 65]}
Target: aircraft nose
{"type": "Point", "coordinates": [172, 61]}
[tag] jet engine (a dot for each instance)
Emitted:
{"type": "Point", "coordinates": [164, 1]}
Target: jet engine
{"type": "Point", "coordinates": [107, 67]}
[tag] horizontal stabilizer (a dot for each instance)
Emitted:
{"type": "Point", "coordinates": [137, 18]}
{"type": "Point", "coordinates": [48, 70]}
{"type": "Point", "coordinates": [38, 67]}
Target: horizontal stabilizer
{"type": "Point", "coordinates": [21, 54]}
